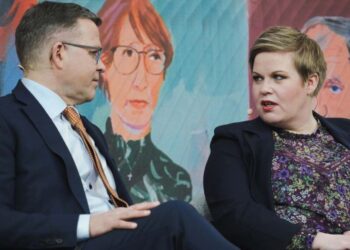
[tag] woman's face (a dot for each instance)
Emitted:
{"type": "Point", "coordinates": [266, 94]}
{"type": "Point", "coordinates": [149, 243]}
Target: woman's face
{"type": "Point", "coordinates": [333, 99]}
{"type": "Point", "coordinates": [133, 91]}
{"type": "Point", "coordinates": [279, 92]}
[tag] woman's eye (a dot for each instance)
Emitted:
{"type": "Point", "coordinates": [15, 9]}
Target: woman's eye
{"type": "Point", "coordinates": [128, 52]}
{"type": "Point", "coordinates": [155, 56]}
{"type": "Point", "coordinates": [335, 89]}
{"type": "Point", "coordinates": [257, 78]}
{"type": "Point", "coordinates": [279, 77]}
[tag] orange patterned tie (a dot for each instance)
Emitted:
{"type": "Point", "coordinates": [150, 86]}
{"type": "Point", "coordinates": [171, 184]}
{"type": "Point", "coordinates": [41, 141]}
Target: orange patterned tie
{"type": "Point", "coordinates": [73, 117]}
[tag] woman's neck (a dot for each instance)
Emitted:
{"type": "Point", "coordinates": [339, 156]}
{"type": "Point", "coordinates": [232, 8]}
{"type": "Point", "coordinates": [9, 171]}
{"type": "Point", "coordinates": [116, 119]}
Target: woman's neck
{"type": "Point", "coordinates": [128, 132]}
{"type": "Point", "coordinates": [307, 126]}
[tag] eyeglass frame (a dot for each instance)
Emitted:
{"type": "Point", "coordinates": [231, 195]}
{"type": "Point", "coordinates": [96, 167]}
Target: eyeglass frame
{"type": "Point", "coordinates": [138, 61]}
{"type": "Point", "coordinates": [87, 47]}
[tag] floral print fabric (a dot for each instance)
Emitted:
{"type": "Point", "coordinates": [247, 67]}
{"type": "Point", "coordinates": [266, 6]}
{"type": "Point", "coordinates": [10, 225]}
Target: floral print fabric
{"type": "Point", "coordinates": [311, 184]}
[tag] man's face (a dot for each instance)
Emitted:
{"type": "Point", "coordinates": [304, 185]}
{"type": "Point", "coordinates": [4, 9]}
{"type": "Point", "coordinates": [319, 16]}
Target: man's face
{"type": "Point", "coordinates": [333, 99]}
{"type": "Point", "coordinates": [81, 72]}
{"type": "Point", "coordinates": [134, 93]}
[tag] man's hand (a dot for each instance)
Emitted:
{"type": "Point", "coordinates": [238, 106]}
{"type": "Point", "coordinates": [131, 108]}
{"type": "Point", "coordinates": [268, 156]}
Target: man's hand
{"type": "Point", "coordinates": [118, 218]}
{"type": "Point", "coordinates": [324, 241]}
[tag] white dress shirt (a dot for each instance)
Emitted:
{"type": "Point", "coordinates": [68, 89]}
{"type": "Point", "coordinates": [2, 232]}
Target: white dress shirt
{"type": "Point", "coordinates": [95, 191]}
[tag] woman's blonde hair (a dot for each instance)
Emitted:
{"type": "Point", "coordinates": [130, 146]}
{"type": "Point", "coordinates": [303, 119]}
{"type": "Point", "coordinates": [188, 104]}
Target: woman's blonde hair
{"type": "Point", "coordinates": [308, 56]}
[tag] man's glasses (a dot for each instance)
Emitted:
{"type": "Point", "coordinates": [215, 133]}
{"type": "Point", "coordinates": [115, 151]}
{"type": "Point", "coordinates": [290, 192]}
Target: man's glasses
{"type": "Point", "coordinates": [126, 60]}
{"type": "Point", "coordinates": [94, 51]}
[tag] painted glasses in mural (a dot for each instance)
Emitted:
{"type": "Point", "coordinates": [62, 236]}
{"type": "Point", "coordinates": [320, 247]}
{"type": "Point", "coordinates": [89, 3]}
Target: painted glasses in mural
{"type": "Point", "coordinates": [137, 52]}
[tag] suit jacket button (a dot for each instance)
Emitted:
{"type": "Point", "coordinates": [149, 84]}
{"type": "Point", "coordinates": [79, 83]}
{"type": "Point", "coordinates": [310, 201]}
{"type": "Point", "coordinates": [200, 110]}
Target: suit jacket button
{"type": "Point", "coordinates": [59, 241]}
{"type": "Point", "coordinates": [50, 242]}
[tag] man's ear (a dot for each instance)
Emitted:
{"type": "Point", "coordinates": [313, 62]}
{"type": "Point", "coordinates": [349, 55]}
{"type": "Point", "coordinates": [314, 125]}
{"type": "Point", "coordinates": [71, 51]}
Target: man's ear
{"type": "Point", "coordinates": [312, 83]}
{"type": "Point", "coordinates": [57, 55]}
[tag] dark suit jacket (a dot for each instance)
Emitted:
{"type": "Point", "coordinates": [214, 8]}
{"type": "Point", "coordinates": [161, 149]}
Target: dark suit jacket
{"type": "Point", "coordinates": [237, 183]}
{"type": "Point", "coordinates": [41, 195]}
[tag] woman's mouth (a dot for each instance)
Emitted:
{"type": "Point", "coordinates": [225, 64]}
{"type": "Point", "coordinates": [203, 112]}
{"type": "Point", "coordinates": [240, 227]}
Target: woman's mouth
{"type": "Point", "coordinates": [267, 105]}
{"type": "Point", "coordinates": [138, 104]}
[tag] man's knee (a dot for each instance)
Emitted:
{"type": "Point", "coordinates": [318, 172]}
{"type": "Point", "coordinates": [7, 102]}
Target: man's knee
{"type": "Point", "coordinates": [177, 207]}
{"type": "Point", "coordinates": [176, 212]}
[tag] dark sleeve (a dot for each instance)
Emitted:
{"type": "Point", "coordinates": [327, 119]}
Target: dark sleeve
{"type": "Point", "coordinates": [236, 215]}
{"type": "Point", "coordinates": [27, 230]}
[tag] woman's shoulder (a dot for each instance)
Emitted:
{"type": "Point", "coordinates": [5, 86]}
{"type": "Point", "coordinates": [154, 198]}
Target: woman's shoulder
{"type": "Point", "coordinates": [338, 120]}
{"type": "Point", "coordinates": [254, 126]}
{"type": "Point", "coordinates": [335, 124]}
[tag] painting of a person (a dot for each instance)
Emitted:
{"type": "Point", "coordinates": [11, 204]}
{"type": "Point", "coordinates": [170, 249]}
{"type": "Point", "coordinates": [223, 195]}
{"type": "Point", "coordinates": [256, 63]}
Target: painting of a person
{"type": "Point", "coordinates": [137, 53]}
{"type": "Point", "coordinates": [333, 36]}
{"type": "Point", "coordinates": [11, 12]}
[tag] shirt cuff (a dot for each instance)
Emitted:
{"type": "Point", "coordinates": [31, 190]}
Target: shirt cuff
{"type": "Point", "coordinates": [83, 231]}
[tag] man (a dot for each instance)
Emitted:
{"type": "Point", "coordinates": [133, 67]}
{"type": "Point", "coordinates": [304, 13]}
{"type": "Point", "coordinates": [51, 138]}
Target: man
{"type": "Point", "coordinates": [59, 187]}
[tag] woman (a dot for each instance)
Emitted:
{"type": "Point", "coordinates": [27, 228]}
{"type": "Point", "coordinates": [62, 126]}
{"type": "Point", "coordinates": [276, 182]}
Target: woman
{"type": "Point", "coordinates": [333, 36]}
{"type": "Point", "coordinates": [137, 53]}
{"type": "Point", "coordinates": [282, 180]}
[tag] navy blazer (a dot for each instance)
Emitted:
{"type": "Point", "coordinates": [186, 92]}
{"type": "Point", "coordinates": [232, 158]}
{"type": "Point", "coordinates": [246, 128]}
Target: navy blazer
{"type": "Point", "coordinates": [237, 183]}
{"type": "Point", "coordinates": [41, 194]}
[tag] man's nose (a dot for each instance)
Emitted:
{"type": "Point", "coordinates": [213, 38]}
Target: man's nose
{"type": "Point", "coordinates": [101, 66]}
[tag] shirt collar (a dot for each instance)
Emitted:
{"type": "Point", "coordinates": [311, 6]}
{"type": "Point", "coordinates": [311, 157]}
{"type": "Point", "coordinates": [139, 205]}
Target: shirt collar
{"type": "Point", "coordinates": [52, 103]}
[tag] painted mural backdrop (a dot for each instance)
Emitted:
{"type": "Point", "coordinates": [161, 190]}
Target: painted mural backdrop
{"type": "Point", "coordinates": [174, 71]}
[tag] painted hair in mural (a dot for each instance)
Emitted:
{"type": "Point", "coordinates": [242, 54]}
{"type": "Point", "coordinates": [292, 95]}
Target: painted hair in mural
{"type": "Point", "coordinates": [137, 51]}
{"type": "Point", "coordinates": [11, 12]}
{"type": "Point", "coordinates": [333, 36]}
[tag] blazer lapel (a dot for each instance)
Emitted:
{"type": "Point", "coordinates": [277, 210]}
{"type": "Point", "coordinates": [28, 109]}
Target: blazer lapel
{"type": "Point", "coordinates": [340, 133]}
{"type": "Point", "coordinates": [258, 136]}
{"type": "Point", "coordinates": [53, 140]}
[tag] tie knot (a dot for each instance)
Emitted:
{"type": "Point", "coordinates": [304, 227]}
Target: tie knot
{"type": "Point", "coordinates": [73, 117]}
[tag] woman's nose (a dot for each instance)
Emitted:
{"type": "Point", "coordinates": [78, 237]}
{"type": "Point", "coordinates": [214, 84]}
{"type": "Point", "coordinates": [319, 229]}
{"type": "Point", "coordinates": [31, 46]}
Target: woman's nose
{"type": "Point", "coordinates": [140, 80]}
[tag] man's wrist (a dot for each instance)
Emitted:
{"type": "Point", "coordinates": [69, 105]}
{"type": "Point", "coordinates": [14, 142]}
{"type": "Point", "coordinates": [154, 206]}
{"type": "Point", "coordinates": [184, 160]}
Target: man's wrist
{"type": "Point", "coordinates": [83, 227]}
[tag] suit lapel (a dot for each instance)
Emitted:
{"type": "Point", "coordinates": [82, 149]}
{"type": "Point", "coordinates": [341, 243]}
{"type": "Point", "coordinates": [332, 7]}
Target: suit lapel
{"type": "Point", "coordinates": [340, 133]}
{"type": "Point", "coordinates": [48, 131]}
{"type": "Point", "coordinates": [260, 143]}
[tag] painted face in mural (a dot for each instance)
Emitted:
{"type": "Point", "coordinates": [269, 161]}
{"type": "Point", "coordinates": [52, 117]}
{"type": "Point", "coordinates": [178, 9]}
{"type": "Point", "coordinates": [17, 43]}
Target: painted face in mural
{"type": "Point", "coordinates": [334, 97]}
{"type": "Point", "coordinates": [278, 90]}
{"type": "Point", "coordinates": [134, 81]}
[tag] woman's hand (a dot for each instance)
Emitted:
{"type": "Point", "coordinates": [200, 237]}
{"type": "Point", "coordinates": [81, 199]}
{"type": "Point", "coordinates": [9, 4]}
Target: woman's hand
{"type": "Point", "coordinates": [325, 241]}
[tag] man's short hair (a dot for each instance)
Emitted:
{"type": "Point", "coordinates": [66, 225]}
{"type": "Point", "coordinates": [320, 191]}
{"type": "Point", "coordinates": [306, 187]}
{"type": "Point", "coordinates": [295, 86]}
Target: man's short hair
{"type": "Point", "coordinates": [308, 56]}
{"type": "Point", "coordinates": [43, 20]}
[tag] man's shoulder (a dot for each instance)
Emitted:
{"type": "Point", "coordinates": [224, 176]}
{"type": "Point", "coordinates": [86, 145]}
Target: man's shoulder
{"type": "Point", "coordinates": [7, 103]}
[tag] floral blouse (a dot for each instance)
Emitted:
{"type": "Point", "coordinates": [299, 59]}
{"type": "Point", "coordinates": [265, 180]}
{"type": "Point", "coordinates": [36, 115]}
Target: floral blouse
{"type": "Point", "coordinates": [311, 184]}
